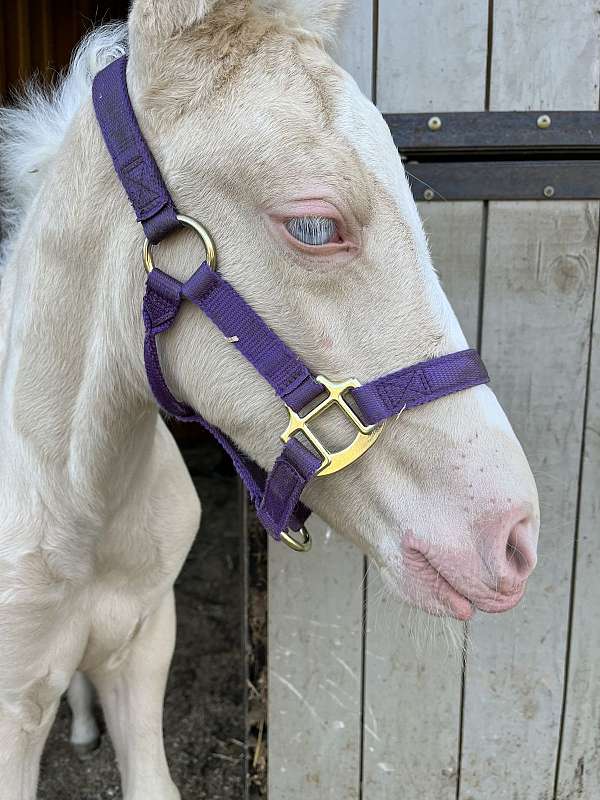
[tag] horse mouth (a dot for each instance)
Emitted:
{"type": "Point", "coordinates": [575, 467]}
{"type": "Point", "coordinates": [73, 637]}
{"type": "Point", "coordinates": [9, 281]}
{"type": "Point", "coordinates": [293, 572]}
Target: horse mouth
{"type": "Point", "coordinates": [434, 592]}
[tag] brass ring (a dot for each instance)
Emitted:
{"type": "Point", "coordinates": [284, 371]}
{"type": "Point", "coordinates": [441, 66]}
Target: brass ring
{"type": "Point", "coordinates": [300, 546]}
{"type": "Point", "coordinates": [209, 245]}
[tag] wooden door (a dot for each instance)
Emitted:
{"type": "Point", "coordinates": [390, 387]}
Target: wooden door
{"type": "Point", "coordinates": [363, 708]}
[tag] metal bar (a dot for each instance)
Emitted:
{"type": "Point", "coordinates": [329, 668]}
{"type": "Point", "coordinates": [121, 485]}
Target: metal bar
{"type": "Point", "coordinates": [496, 131]}
{"type": "Point", "coordinates": [506, 180]}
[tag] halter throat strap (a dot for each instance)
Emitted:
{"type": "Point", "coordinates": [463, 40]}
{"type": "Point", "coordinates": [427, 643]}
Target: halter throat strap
{"type": "Point", "coordinates": [276, 494]}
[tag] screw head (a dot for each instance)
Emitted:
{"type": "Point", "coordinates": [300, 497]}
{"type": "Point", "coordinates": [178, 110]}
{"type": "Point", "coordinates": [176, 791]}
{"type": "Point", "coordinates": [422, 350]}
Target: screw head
{"type": "Point", "coordinates": [544, 121]}
{"type": "Point", "coordinates": [434, 123]}
{"type": "Point", "coordinates": [549, 191]}
{"type": "Point", "coordinates": [428, 194]}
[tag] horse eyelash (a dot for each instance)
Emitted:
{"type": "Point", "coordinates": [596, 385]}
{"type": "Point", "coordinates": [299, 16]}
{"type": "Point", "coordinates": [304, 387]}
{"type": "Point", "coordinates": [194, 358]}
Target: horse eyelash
{"type": "Point", "coordinates": [313, 231]}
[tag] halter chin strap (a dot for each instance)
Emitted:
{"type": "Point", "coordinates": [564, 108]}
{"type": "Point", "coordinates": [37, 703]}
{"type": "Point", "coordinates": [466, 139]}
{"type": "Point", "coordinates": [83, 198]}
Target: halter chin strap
{"type": "Point", "coordinates": [276, 494]}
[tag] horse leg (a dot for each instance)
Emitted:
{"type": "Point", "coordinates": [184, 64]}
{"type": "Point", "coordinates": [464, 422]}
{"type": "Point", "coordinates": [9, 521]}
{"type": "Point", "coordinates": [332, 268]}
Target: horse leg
{"type": "Point", "coordinates": [26, 716]}
{"type": "Point", "coordinates": [131, 693]}
{"type": "Point", "coordinates": [85, 736]}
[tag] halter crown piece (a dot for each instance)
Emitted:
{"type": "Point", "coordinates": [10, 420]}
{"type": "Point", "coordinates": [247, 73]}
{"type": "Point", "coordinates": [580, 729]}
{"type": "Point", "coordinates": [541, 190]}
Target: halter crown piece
{"type": "Point", "coordinates": [276, 494]}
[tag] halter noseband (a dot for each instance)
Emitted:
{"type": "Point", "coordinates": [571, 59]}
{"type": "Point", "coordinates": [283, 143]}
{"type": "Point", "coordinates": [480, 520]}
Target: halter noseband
{"type": "Point", "coordinates": [276, 494]}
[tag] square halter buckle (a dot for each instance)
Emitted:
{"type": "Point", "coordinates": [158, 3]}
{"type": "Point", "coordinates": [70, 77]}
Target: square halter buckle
{"type": "Point", "coordinates": [333, 461]}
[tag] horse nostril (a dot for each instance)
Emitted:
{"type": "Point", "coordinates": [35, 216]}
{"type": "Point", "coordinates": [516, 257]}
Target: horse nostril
{"type": "Point", "coordinates": [519, 554]}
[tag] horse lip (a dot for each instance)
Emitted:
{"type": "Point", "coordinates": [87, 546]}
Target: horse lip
{"type": "Point", "coordinates": [454, 599]}
{"type": "Point", "coordinates": [456, 604]}
{"type": "Point", "coordinates": [500, 602]}
{"type": "Point", "coordinates": [490, 601]}
{"type": "Point", "coordinates": [447, 599]}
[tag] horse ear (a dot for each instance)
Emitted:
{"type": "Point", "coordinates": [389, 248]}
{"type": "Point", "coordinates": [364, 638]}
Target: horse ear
{"type": "Point", "coordinates": [165, 18]}
{"type": "Point", "coordinates": [320, 17]}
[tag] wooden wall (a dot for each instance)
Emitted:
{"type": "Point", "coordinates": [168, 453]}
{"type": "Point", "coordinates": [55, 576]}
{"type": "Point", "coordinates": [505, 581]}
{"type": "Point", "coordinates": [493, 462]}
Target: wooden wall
{"type": "Point", "coordinates": [357, 708]}
{"type": "Point", "coordinates": [40, 34]}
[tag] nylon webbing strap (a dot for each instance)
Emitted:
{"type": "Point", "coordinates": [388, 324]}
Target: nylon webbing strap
{"type": "Point", "coordinates": [277, 495]}
{"type": "Point", "coordinates": [134, 163]}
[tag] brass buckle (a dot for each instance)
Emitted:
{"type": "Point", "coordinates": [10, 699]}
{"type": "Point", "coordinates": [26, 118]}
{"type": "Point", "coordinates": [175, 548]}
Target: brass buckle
{"type": "Point", "coordinates": [366, 437]}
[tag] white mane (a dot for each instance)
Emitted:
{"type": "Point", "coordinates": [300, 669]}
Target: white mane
{"type": "Point", "coordinates": [32, 131]}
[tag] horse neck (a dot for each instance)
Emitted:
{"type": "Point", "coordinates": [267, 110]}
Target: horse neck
{"type": "Point", "coordinates": [75, 413]}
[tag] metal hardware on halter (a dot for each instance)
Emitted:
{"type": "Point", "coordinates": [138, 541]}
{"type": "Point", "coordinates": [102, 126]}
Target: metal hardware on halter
{"type": "Point", "coordinates": [197, 227]}
{"type": "Point", "coordinates": [366, 437]}
{"type": "Point", "coordinates": [300, 546]}
{"type": "Point", "coordinates": [276, 494]}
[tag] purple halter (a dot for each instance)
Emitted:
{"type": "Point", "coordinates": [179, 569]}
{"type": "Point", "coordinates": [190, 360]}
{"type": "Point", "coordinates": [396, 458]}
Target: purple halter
{"type": "Point", "coordinates": [276, 494]}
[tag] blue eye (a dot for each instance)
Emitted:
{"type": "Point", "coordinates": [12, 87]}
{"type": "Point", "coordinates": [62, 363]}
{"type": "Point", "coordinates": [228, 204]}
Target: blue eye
{"type": "Point", "coordinates": [313, 231]}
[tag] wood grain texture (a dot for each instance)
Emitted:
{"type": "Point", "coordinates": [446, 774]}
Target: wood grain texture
{"type": "Point", "coordinates": [412, 702]}
{"type": "Point", "coordinates": [22, 37]}
{"type": "Point", "coordinates": [315, 669]}
{"type": "Point", "coordinates": [354, 49]}
{"type": "Point", "coordinates": [413, 694]}
{"type": "Point", "coordinates": [579, 766]}
{"type": "Point", "coordinates": [413, 681]}
{"type": "Point", "coordinates": [454, 231]}
{"type": "Point", "coordinates": [541, 262]}
{"type": "Point", "coordinates": [40, 33]}
{"type": "Point", "coordinates": [546, 55]}
{"type": "Point", "coordinates": [316, 613]}
{"type": "Point", "coordinates": [432, 55]}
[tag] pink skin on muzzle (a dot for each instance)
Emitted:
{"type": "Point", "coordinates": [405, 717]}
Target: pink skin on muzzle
{"type": "Point", "coordinates": [490, 575]}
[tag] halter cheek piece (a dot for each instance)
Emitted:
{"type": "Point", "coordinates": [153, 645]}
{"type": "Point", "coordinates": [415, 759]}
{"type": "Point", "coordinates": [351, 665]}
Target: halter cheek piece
{"type": "Point", "coordinates": [276, 494]}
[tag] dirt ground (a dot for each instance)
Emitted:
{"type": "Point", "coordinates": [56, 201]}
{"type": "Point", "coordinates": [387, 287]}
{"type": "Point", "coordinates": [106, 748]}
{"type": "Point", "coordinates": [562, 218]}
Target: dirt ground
{"type": "Point", "coordinates": [204, 708]}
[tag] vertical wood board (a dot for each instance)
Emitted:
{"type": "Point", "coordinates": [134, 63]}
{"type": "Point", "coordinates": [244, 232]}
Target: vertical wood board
{"type": "Point", "coordinates": [315, 669]}
{"type": "Point", "coordinates": [538, 292]}
{"type": "Point", "coordinates": [539, 284]}
{"type": "Point", "coordinates": [454, 231]}
{"type": "Point", "coordinates": [412, 694]}
{"type": "Point", "coordinates": [354, 49]}
{"type": "Point", "coordinates": [579, 767]}
{"type": "Point", "coordinates": [413, 682]}
{"type": "Point", "coordinates": [432, 55]}
{"type": "Point", "coordinates": [316, 612]}
{"type": "Point", "coordinates": [546, 55]}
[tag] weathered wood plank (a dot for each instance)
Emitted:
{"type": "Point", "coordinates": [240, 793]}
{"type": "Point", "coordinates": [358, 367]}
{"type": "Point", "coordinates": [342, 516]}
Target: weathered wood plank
{"type": "Point", "coordinates": [412, 703]}
{"type": "Point", "coordinates": [432, 55]}
{"type": "Point", "coordinates": [354, 50]}
{"type": "Point", "coordinates": [316, 614]}
{"type": "Point", "coordinates": [315, 669]}
{"type": "Point", "coordinates": [412, 695]}
{"type": "Point", "coordinates": [545, 55]}
{"type": "Point", "coordinates": [539, 284]}
{"type": "Point", "coordinates": [579, 767]}
{"type": "Point", "coordinates": [538, 294]}
{"type": "Point", "coordinates": [454, 231]}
